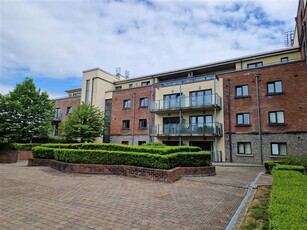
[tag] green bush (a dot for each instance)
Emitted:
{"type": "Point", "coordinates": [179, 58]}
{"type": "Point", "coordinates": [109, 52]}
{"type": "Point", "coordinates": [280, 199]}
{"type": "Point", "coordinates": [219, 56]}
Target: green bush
{"type": "Point", "coordinates": [124, 148]}
{"type": "Point", "coordinates": [288, 200]}
{"type": "Point", "coordinates": [43, 152]}
{"type": "Point", "coordinates": [297, 160]}
{"type": "Point", "coordinates": [154, 145]}
{"type": "Point", "coordinates": [269, 165]}
{"type": "Point", "coordinates": [298, 168]}
{"type": "Point", "coordinates": [18, 146]}
{"type": "Point", "coordinates": [148, 160]}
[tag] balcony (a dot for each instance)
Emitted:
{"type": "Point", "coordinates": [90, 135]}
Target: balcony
{"type": "Point", "coordinates": [57, 117]}
{"type": "Point", "coordinates": [206, 129]}
{"type": "Point", "coordinates": [206, 102]}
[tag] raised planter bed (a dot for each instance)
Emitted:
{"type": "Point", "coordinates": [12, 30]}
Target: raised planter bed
{"type": "Point", "coordinates": [12, 156]}
{"type": "Point", "coordinates": [125, 170]}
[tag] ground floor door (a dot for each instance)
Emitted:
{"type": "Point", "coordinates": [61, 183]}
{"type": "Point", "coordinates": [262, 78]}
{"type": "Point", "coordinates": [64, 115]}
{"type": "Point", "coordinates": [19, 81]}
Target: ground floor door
{"type": "Point", "coordinates": [204, 145]}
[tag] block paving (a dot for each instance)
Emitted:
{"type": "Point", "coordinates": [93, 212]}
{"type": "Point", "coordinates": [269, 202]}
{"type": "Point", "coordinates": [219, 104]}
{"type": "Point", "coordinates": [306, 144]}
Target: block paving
{"type": "Point", "coordinates": [43, 198]}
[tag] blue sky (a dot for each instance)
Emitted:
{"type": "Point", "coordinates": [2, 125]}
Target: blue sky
{"type": "Point", "coordinates": [53, 41]}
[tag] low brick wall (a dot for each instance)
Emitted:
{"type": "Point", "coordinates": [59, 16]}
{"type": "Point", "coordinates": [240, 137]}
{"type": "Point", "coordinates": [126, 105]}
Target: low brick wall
{"type": "Point", "coordinates": [125, 170]}
{"type": "Point", "coordinates": [12, 156]}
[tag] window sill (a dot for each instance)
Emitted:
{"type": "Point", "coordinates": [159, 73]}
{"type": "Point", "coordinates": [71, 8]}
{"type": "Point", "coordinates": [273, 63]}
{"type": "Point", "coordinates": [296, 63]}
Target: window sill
{"type": "Point", "coordinates": [142, 107]}
{"type": "Point", "coordinates": [244, 155]}
{"type": "Point", "coordinates": [242, 97]}
{"type": "Point", "coordinates": [278, 156]}
{"type": "Point", "coordinates": [275, 94]}
{"type": "Point", "coordinates": [244, 125]}
{"type": "Point", "coordinates": [126, 108]}
{"type": "Point", "coordinates": [125, 129]}
{"type": "Point", "coordinates": [278, 124]}
{"type": "Point", "coordinates": [143, 128]}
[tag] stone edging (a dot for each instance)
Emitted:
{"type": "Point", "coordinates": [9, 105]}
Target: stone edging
{"type": "Point", "coordinates": [161, 175]}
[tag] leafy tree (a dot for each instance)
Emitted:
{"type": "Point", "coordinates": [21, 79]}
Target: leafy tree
{"type": "Point", "coordinates": [25, 113]}
{"type": "Point", "coordinates": [84, 124]}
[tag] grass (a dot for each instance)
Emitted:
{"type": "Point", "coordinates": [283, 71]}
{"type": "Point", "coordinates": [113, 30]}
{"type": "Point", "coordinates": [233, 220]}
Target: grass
{"type": "Point", "coordinates": [257, 216]}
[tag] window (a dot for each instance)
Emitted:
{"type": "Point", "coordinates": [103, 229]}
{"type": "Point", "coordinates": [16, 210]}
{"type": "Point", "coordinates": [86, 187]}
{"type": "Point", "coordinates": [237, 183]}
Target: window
{"type": "Point", "coordinates": [171, 101]}
{"type": "Point", "coordinates": [76, 94]}
{"type": "Point", "coordinates": [87, 91]}
{"type": "Point", "coordinates": [143, 102]}
{"type": "Point", "coordinates": [143, 123]}
{"type": "Point", "coordinates": [278, 149]}
{"type": "Point", "coordinates": [243, 119]}
{"type": "Point", "coordinates": [276, 117]}
{"type": "Point", "coordinates": [118, 87]}
{"type": "Point", "coordinates": [141, 142]}
{"type": "Point", "coordinates": [200, 98]}
{"type": "Point", "coordinates": [57, 114]}
{"type": "Point", "coordinates": [274, 87]}
{"type": "Point", "coordinates": [284, 59]}
{"type": "Point", "coordinates": [126, 124]}
{"type": "Point", "coordinates": [69, 110]}
{"type": "Point", "coordinates": [242, 91]}
{"type": "Point", "coordinates": [127, 104]}
{"type": "Point", "coordinates": [145, 83]}
{"type": "Point", "coordinates": [130, 85]}
{"type": "Point", "coordinates": [125, 142]}
{"type": "Point", "coordinates": [244, 148]}
{"type": "Point", "coordinates": [254, 65]}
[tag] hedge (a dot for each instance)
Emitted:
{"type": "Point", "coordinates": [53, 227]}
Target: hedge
{"type": "Point", "coordinates": [18, 146]}
{"type": "Point", "coordinates": [298, 168]}
{"type": "Point", "coordinates": [288, 200]}
{"type": "Point", "coordinates": [148, 160]}
{"type": "Point", "coordinates": [297, 160]}
{"type": "Point", "coordinates": [269, 165]}
{"type": "Point", "coordinates": [43, 152]}
{"type": "Point", "coordinates": [119, 147]}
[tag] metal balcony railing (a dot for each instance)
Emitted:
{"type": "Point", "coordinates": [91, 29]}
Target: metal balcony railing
{"type": "Point", "coordinates": [205, 129]}
{"type": "Point", "coordinates": [182, 102]}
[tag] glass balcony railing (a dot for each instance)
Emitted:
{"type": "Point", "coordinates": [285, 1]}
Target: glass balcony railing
{"type": "Point", "coordinates": [205, 129]}
{"type": "Point", "coordinates": [57, 117]}
{"type": "Point", "coordinates": [183, 102]}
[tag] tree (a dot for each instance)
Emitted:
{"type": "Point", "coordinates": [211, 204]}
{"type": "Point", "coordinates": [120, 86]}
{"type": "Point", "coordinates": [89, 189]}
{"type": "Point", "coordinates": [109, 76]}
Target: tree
{"type": "Point", "coordinates": [25, 113]}
{"type": "Point", "coordinates": [84, 124]}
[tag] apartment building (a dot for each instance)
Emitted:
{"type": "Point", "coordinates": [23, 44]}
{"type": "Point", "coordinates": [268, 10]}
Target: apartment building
{"type": "Point", "coordinates": [247, 109]}
{"type": "Point", "coordinates": [63, 107]}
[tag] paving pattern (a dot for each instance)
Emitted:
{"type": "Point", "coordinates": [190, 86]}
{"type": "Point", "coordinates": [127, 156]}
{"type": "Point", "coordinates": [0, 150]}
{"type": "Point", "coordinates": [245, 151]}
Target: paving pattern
{"type": "Point", "coordinates": [43, 198]}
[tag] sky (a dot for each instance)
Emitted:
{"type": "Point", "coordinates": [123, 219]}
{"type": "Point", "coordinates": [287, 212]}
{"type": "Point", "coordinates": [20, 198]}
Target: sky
{"type": "Point", "coordinates": [54, 41]}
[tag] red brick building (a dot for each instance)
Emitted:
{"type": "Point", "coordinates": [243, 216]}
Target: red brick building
{"type": "Point", "coordinates": [63, 107]}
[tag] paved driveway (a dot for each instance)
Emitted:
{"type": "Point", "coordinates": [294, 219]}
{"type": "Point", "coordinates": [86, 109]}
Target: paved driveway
{"type": "Point", "coordinates": [42, 198]}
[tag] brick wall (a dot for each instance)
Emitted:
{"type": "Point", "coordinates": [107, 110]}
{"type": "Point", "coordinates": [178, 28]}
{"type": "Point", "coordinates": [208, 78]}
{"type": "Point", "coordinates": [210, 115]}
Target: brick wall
{"type": "Point", "coordinates": [119, 114]}
{"type": "Point", "coordinates": [292, 101]}
{"type": "Point", "coordinates": [63, 103]}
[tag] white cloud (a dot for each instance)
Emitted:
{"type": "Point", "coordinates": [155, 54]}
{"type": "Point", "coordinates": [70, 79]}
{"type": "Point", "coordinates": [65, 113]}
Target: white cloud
{"type": "Point", "coordinates": [5, 89]}
{"type": "Point", "coordinates": [60, 39]}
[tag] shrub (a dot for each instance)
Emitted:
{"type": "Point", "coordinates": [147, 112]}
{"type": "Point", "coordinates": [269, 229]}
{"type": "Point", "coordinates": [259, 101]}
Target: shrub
{"type": "Point", "coordinates": [119, 147]}
{"type": "Point", "coordinates": [43, 152]}
{"type": "Point", "coordinates": [269, 165]}
{"type": "Point", "coordinates": [132, 158]}
{"type": "Point", "coordinates": [298, 168]}
{"type": "Point", "coordinates": [154, 145]}
{"type": "Point", "coordinates": [288, 200]}
{"type": "Point", "coordinates": [18, 146]}
{"type": "Point", "coordinates": [297, 160]}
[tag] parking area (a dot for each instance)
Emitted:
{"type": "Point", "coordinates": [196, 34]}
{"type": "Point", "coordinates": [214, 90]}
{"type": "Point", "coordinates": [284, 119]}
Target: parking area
{"type": "Point", "coordinates": [43, 198]}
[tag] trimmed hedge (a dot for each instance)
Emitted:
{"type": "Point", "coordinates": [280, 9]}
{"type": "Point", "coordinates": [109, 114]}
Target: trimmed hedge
{"type": "Point", "coordinates": [297, 160]}
{"type": "Point", "coordinates": [18, 146]}
{"type": "Point", "coordinates": [118, 147]}
{"type": "Point", "coordinates": [148, 160]}
{"type": "Point", "coordinates": [43, 152]}
{"type": "Point", "coordinates": [269, 165]}
{"type": "Point", "coordinates": [298, 168]}
{"type": "Point", "coordinates": [288, 200]}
